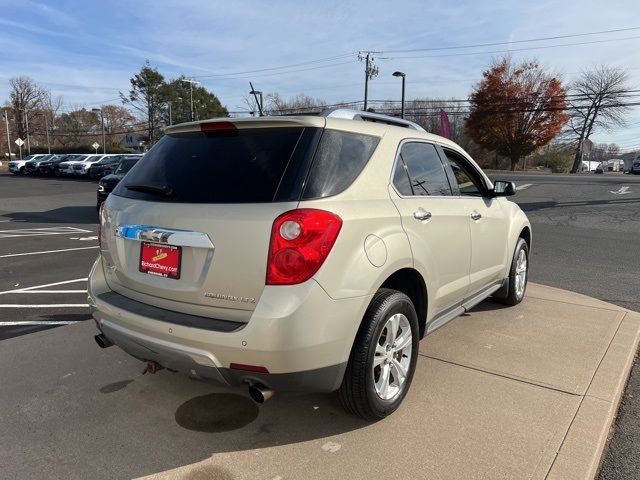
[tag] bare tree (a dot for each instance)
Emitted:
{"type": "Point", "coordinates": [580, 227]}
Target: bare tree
{"type": "Point", "coordinates": [117, 121]}
{"type": "Point", "coordinates": [301, 104]}
{"type": "Point", "coordinates": [24, 96]}
{"type": "Point", "coordinates": [597, 102]}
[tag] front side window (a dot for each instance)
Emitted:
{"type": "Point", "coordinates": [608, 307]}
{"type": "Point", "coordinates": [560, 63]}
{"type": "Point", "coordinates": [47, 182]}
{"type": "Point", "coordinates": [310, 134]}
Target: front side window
{"type": "Point", "coordinates": [468, 182]}
{"type": "Point", "coordinates": [419, 171]}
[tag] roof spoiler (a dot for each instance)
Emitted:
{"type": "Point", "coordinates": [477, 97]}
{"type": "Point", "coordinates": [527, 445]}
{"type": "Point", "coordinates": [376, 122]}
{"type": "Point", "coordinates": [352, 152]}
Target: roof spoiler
{"type": "Point", "coordinates": [350, 114]}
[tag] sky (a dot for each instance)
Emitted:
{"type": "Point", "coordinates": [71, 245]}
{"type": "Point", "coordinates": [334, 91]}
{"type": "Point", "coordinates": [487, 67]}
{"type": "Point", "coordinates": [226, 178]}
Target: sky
{"type": "Point", "coordinates": [86, 51]}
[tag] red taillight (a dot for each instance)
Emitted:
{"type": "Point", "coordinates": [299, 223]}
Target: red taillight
{"type": "Point", "coordinates": [300, 242]}
{"type": "Point", "coordinates": [100, 220]}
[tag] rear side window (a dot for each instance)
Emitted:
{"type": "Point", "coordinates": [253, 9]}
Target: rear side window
{"type": "Point", "coordinates": [237, 166]}
{"type": "Point", "coordinates": [419, 171]}
{"type": "Point", "coordinates": [339, 159]}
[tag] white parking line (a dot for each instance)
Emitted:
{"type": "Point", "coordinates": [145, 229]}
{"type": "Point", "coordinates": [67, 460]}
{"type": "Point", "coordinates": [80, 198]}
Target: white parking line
{"type": "Point", "coordinates": [38, 322]}
{"type": "Point", "coordinates": [35, 232]}
{"type": "Point", "coordinates": [52, 305]}
{"type": "Point", "coordinates": [46, 251]}
{"type": "Point", "coordinates": [36, 287]}
{"type": "Point", "coordinates": [50, 291]}
{"type": "Point", "coordinates": [523, 187]}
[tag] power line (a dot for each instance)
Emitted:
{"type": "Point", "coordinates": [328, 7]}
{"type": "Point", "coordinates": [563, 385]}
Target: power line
{"type": "Point", "coordinates": [494, 44]}
{"type": "Point", "coordinates": [466, 54]}
{"type": "Point", "coordinates": [282, 67]}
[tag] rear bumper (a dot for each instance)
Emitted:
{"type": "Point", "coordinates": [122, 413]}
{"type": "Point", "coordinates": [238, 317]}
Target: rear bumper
{"type": "Point", "coordinates": [298, 333]}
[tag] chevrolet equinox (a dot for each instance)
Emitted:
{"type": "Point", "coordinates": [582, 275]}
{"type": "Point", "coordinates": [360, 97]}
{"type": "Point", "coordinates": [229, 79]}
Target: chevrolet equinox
{"type": "Point", "coordinates": [307, 253]}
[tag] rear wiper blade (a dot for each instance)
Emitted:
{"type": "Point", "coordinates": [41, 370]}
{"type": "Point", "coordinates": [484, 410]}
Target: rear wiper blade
{"type": "Point", "coordinates": [165, 190]}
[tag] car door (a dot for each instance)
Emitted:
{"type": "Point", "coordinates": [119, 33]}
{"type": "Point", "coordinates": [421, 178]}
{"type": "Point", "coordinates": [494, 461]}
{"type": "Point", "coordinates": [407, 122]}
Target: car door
{"type": "Point", "coordinates": [488, 221]}
{"type": "Point", "coordinates": [436, 223]}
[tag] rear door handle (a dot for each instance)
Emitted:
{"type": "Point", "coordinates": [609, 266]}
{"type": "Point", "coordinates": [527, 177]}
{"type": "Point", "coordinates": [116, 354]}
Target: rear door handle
{"type": "Point", "coordinates": [421, 214]}
{"type": "Point", "coordinates": [476, 216]}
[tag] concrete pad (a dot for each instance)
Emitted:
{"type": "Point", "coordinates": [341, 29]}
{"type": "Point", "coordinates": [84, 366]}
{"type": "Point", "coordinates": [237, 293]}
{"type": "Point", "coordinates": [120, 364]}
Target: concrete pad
{"type": "Point", "coordinates": [70, 410]}
{"type": "Point", "coordinates": [608, 381]}
{"type": "Point", "coordinates": [471, 425]}
{"type": "Point", "coordinates": [579, 457]}
{"type": "Point", "coordinates": [535, 290]}
{"type": "Point", "coordinates": [546, 342]}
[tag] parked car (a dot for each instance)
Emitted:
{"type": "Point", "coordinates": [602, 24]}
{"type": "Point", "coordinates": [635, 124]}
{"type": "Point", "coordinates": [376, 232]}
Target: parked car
{"type": "Point", "coordinates": [18, 167]}
{"type": "Point", "coordinates": [599, 169]}
{"type": "Point", "coordinates": [51, 166]}
{"type": "Point", "coordinates": [109, 182]}
{"type": "Point", "coordinates": [309, 254]}
{"type": "Point", "coordinates": [635, 168]}
{"type": "Point", "coordinates": [66, 167]}
{"type": "Point", "coordinates": [32, 167]}
{"type": "Point", "coordinates": [82, 168]}
{"type": "Point", "coordinates": [107, 165]}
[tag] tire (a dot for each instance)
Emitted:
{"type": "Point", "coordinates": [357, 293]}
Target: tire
{"type": "Point", "coordinates": [22, 172]}
{"type": "Point", "coordinates": [358, 393]}
{"type": "Point", "coordinates": [515, 294]}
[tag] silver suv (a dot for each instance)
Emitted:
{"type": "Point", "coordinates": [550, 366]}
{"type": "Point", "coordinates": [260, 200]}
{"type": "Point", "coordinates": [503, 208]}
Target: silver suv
{"type": "Point", "coordinates": [305, 253]}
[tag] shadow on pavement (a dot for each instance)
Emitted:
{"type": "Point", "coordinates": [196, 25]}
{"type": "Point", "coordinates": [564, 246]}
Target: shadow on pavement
{"type": "Point", "coordinates": [533, 206]}
{"type": "Point", "coordinates": [83, 215]}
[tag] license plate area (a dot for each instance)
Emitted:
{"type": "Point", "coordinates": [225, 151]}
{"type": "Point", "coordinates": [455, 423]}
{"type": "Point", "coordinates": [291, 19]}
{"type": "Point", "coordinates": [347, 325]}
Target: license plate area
{"type": "Point", "coordinates": [160, 260]}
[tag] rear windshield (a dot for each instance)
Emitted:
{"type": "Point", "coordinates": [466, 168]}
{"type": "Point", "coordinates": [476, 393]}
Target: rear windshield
{"type": "Point", "coordinates": [126, 164]}
{"type": "Point", "coordinates": [240, 166]}
{"type": "Point", "coordinates": [249, 166]}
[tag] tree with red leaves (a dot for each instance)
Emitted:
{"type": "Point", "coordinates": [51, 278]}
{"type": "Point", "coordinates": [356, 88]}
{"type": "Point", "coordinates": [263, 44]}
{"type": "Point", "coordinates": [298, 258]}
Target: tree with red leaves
{"type": "Point", "coordinates": [516, 109]}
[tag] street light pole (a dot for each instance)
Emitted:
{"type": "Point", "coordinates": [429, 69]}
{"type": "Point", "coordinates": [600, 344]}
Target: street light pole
{"type": "Point", "coordinates": [104, 141]}
{"type": "Point", "coordinates": [401, 74]}
{"type": "Point", "coordinates": [6, 121]}
{"type": "Point", "coordinates": [255, 94]}
{"type": "Point", "coordinates": [26, 121]}
{"type": "Point", "coordinates": [191, 98]}
{"type": "Point", "coordinates": [46, 128]}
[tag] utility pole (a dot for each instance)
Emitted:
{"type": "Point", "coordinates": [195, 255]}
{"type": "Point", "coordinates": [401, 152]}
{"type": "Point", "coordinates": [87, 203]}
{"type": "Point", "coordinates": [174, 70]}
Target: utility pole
{"type": "Point", "coordinates": [26, 121]}
{"type": "Point", "coordinates": [46, 128]}
{"type": "Point", "coordinates": [370, 71]}
{"type": "Point", "coordinates": [190, 82]}
{"type": "Point", "coordinates": [6, 121]}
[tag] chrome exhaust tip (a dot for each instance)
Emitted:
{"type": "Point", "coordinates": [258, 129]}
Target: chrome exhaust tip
{"type": "Point", "coordinates": [102, 341]}
{"type": "Point", "coordinates": [259, 393]}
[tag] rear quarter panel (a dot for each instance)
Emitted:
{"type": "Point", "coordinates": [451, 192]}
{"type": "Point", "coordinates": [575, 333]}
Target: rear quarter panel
{"type": "Point", "coordinates": [369, 217]}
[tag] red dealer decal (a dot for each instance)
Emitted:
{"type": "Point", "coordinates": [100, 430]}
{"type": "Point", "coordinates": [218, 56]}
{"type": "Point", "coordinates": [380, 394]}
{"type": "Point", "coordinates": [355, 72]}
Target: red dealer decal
{"type": "Point", "coordinates": [160, 260]}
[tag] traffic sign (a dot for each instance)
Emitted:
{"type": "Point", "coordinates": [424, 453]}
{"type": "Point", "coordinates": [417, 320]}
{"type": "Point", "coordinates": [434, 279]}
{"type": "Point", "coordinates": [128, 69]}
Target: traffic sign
{"type": "Point", "coordinates": [95, 146]}
{"type": "Point", "coordinates": [19, 142]}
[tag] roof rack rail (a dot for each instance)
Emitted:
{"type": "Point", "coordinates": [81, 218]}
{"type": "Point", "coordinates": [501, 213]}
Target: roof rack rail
{"type": "Point", "coordinates": [350, 114]}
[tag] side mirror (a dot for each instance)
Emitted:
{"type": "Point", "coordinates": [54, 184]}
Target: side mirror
{"type": "Point", "coordinates": [503, 189]}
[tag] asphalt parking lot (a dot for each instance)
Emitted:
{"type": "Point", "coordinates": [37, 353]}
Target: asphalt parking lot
{"type": "Point", "coordinates": [48, 241]}
{"type": "Point", "coordinates": [585, 229]}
